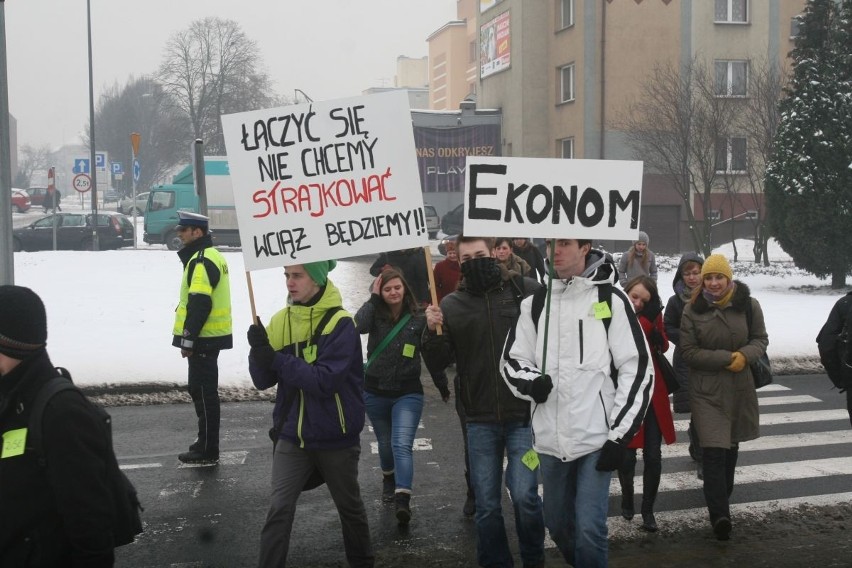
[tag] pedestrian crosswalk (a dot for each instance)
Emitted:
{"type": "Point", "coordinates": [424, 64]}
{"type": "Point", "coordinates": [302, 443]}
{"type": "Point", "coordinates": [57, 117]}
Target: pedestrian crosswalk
{"type": "Point", "coordinates": [781, 469]}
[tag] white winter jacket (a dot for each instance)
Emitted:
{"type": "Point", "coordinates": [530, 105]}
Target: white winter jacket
{"type": "Point", "coordinates": [585, 407]}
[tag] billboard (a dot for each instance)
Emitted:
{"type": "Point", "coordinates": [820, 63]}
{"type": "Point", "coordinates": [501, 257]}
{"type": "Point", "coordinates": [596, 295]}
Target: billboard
{"type": "Point", "coordinates": [441, 153]}
{"type": "Point", "coordinates": [494, 45]}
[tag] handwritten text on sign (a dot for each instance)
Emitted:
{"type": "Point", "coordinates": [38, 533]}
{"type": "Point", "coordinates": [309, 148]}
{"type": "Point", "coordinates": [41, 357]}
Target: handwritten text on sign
{"type": "Point", "coordinates": [325, 180]}
{"type": "Point", "coordinates": [552, 198]}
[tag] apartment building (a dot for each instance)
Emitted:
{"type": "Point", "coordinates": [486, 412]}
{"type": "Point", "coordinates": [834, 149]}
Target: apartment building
{"type": "Point", "coordinates": [565, 72]}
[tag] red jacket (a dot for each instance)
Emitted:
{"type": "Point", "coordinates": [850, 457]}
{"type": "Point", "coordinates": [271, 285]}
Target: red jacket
{"type": "Point", "coordinates": [660, 398]}
{"type": "Point", "coordinates": [447, 276]}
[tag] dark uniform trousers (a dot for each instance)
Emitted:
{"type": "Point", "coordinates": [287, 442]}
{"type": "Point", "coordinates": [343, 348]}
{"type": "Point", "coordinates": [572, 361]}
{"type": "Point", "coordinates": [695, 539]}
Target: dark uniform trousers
{"type": "Point", "coordinates": [204, 390]}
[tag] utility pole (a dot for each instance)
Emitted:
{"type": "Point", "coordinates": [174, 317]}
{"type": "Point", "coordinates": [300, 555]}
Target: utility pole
{"type": "Point", "coordinates": [7, 262]}
{"type": "Point", "coordinates": [93, 168]}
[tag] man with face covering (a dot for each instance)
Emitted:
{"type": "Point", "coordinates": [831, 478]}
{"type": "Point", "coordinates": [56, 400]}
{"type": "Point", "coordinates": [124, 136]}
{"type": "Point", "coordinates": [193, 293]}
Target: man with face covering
{"type": "Point", "coordinates": [476, 319]}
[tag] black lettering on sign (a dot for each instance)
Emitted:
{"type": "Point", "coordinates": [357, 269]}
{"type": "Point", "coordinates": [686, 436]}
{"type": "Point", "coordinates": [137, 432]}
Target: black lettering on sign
{"type": "Point", "coordinates": [474, 212]}
{"type": "Point", "coordinates": [283, 242]}
{"type": "Point", "coordinates": [616, 203]}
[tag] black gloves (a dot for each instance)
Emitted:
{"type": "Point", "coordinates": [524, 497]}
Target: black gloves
{"type": "Point", "coordinates": [441, 383]}
{"type": "Point", "coordinates": [261, 351]}
{"type": "Point", "coordinates": [538, 388]}
{"type": "Point", "coordinates": [445, 392]}
{"type": "Point", "coordinates": [612, 456]}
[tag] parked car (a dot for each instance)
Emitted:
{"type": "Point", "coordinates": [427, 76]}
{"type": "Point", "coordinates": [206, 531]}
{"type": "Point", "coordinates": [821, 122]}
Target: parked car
{"type": "Point", "coordinates": [20, 201]}
{"type": "Point", "coordinates": [433, 221]}
{"type": "Point", "coordinates": [127, 205]}
{"type": "Point", "coordinates": [39, 196]}
{"type": "Point", "coordinates": [451, 223]}
{"type": "Point", "coordinates": [111, 195]}
{"type": "Point", "coordinates": [74, 232]}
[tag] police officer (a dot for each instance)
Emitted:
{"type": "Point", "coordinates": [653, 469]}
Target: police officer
{"type": "Point", "coordinates": [202, 328]}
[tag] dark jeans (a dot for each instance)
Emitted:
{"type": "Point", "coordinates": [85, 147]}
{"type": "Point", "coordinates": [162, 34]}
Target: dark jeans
{"type": "Point", "coordinates": [849, 403]}
{"type": "Point", "coordinates": [204, 390]}
{"type": "Point", "coordinates": [719, 467]}
{"type": "Point", "coordinates": [652, 456]}
{"type": "Point", "coordinates": [463, 422]}
{"type": "Point", "coordinates": [291, 467]}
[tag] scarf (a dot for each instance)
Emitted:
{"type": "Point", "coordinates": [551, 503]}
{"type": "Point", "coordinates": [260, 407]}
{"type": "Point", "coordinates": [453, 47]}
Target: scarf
{"type": "Point", "coordinates": [481, 274]}
{"type": "Point", "coordinates": [722, 299]}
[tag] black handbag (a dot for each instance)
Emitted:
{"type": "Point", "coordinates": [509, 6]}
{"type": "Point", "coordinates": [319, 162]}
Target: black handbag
{"type": "Point", "coordinates": [667, 371]}
{"type": "Point", "coordinates": [761, 370]}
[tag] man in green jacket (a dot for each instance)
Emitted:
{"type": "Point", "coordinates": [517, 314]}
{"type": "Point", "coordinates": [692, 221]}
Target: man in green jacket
{"type": "Point", "coordinates": [202, 328]}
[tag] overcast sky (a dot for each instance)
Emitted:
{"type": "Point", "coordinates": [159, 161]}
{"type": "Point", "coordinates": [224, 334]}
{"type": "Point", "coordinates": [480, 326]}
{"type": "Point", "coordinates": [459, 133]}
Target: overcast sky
{"type": "Point", "coordinates": [327, 48]}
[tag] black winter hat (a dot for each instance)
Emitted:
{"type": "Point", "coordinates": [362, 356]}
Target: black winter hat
{"type": "Point", "coordinates": [23, 322]}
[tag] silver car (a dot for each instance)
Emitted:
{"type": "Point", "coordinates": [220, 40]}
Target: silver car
{"type": "Point", "coordinates": [127, 205]}
{"type": "Point", "coordinates": [433, 221]}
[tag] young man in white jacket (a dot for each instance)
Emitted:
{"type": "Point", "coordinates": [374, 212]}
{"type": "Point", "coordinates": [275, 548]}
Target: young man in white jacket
{"type": "Point", "coordinates": [590, 399]}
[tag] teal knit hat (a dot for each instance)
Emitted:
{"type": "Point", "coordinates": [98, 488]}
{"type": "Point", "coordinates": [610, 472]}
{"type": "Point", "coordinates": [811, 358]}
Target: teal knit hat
{"type": "Point", "coordinates": [318, 271]}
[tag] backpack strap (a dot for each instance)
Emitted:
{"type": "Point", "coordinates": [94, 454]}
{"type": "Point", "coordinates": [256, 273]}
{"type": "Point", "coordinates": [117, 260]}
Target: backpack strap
{"type": "Point", "coordinates": [34, 434]}
{"type": "Point", "coordinates": [605, 295]}
{"type": "Point", "coordinates": [387, 339]}
{"type": "Point", "coordinates": [539, 296]}
{"type": "Point", "coordinates": [519, 288]}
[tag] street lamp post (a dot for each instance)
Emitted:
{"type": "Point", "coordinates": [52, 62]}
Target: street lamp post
{"type": "Point", "coordinates": [93, 169]}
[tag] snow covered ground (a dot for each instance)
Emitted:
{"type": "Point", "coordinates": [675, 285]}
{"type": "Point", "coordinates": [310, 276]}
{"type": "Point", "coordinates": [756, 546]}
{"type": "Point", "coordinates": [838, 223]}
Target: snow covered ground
{"type": "Point", "coordinates": [110, 313]}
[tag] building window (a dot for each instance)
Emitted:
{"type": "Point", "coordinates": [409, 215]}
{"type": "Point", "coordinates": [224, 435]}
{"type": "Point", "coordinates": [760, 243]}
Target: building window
{"type": "Point", "coordinates": [471, 52]}
{"type": "Point", "coordinates": [566, 82]}
{"type": "Point", "coordinates": [731, 155]}
{"type": "Point", "coordinates": [731, 11]}
{"type": "Point", "coordinates": [714, 214]}
{"type": "Point", "coordinates": [731, 78]}
{"type": "Point", "coordinates": [567, 147]}
{"type": "Point", "coordinates": [795, 26]}
{"type": "Point", "coordinates": [566, 10]}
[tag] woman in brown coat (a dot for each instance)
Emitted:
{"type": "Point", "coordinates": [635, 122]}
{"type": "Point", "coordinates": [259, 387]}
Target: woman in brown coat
{"type": "Point", "coordinates": [718, 346]}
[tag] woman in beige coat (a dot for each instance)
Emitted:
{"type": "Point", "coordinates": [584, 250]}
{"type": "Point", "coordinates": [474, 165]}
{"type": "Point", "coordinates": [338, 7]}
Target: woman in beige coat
{"type": "Point", "coordinates": [718, 346]}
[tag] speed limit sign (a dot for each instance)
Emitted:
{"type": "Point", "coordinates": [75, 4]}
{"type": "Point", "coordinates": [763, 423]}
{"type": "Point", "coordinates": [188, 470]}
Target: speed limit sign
{"type": "Point", "coordinates": [82, 183]}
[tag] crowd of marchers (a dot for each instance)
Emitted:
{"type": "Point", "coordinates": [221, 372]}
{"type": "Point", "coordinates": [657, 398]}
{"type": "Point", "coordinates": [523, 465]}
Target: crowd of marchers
{"type": "Point", "coordinates": [559, 376]}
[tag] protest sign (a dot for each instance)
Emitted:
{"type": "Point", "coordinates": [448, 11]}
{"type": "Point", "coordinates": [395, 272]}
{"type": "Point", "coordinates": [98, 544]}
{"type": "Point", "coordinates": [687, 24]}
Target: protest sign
{"type": "Point", "coordinates": [325, 180]}
{"type": "Point", "coordinates": [552, 198]}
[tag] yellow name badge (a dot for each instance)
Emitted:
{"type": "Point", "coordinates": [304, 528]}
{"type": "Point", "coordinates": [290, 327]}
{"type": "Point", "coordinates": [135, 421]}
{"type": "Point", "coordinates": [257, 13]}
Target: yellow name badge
{"type": "Point", "coordinates": [408, 350]}
{"type": "Point", "coordinates": [14, 442]}
{"type": "Point", "coordinates": [602, 310]}
{"type": "Point", "coordinates": [309, 353]}
{"type": "Point", "coordinates": [530, 459]}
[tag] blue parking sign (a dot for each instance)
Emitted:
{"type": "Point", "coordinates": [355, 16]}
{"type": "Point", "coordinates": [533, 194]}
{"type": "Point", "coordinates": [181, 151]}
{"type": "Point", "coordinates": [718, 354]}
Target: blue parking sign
{"type": "Point", "coordinates": [100, 160]}
{"type": "Point", "coordinates": [116, 168]}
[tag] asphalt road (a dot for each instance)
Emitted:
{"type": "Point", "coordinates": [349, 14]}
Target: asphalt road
{"type": "Point", "coordinates": [792, 503]}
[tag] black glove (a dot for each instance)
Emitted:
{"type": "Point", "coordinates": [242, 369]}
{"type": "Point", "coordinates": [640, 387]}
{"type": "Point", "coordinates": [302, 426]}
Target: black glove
{"type": "Point", "coordinates": [656, 339]}
{"type": "Point", "coordinates": [445, 392]}
{"type": "Point", "coordinates": [256, 335]}
{"type": "Point", "coordinates": [263, 355]}
{"type": "Point", "coordinates": [539, 388]}
{"type": "Point", "coordinates": [612, 456]}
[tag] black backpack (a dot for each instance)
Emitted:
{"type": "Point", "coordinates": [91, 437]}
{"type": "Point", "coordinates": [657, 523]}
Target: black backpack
{"type": "Point", "coordinates": [127, 522]}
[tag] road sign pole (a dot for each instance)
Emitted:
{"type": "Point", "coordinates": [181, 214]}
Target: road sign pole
{"type": "Point", "coordinates": [94, 172]}
{"type": "Point", "coordinates": [134, 150]}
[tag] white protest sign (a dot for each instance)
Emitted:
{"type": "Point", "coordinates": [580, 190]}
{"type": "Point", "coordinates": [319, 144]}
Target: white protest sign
{"type": "Point", "coordinates": [325, 180]}
{"type": "Point", "coordinates": [552, 198]}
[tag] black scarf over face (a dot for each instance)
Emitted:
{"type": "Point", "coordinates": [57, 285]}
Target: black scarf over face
{"type": "Point", "coordinates": [481, 274]}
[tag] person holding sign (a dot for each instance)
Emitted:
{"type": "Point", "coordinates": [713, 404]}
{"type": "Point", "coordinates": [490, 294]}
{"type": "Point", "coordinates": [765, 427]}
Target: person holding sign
{"type": "Point", "coordinates": [393, 393]}
{"type": "Point", "coordinates": [59, 512]}
{"type": "Point", "coordinates": [312, 352]}
{"type": "Point", "coordinates": [589, 380]}
{"type": "Point", "coordinates": [475, 320]}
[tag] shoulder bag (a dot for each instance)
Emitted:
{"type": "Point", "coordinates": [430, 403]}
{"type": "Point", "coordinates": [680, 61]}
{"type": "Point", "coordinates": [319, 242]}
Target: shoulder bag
{"type": "Point", "coordinates": [761, 370]}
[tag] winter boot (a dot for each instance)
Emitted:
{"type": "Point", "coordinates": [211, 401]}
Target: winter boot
{"type": "Point", "coordinates": [403, 510]}
{"type": "Point", "coordinates": [625, 477]}
{"type": "Point", "coordinates": [388, 487]}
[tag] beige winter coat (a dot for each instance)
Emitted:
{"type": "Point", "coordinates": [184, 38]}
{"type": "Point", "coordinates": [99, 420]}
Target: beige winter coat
{"type": "Point", "coordinates": [724, 404]}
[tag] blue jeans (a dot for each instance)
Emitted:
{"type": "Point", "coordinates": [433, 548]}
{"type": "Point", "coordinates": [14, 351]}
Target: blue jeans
{"type": "Point", "coordinates": [575, 506]}
{"type": "Point", "coordinates": [395, 423]}
{"type": "Point", "coordinates": [487, 442]}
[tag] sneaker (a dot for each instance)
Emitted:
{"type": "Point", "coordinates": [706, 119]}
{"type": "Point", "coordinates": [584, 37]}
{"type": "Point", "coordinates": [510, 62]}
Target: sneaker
{"type": "Point", "coordinates": [388, 487]}
{"type": "Point", "coordinates": [722, 528]}
{"type": "Point", "coordinates": [196, 457]}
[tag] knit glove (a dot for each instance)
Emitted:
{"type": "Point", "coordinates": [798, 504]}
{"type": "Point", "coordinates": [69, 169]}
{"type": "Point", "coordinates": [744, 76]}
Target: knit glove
{"type": "Point", "coordinates": [656, 339]}
{"type": "Point", "coordinates": [738, 362]}
{"type": "Point", "coordinates": [612, 456]}
{"type": "Point", "coordinates": [261, 351]}
{"type": "Point", "coordinates": [538, 388]}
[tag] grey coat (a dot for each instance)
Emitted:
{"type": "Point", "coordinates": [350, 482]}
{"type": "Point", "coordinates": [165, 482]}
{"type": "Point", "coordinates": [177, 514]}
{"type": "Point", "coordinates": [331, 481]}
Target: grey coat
{"type": "Point", "coordinates": [724, 404]}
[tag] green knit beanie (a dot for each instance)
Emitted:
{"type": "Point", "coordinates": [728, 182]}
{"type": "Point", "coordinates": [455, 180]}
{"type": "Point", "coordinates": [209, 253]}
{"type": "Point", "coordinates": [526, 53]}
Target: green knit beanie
{"type": "Point", "coordinates": [318, 271]}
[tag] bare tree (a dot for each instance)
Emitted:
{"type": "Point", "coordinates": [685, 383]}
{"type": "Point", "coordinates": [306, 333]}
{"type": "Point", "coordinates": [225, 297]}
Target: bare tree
{"type": "Point", "coordinates": [209, 69]}
{"type": "Point", "coordinates": [31, 160]}
{"type": "Point", "coordinates": [140, 106]}
{"type": "Point", "coordinates": [676, 128]}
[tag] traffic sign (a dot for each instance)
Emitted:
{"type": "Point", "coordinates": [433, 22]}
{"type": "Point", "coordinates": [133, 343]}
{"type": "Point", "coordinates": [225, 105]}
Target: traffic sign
{"type": "Point", "coordinates": [117, 168]}
{"type": "Point", "coordinates": [82, 183]}
{"type": "Point", "coordinates": [137, 170]}
{"type": "Point", "coordinates": [135, 138]}
{"type": "Point", "coordinates": [81, 166]}
{"type": "Point", "coordinates": [100, 160]}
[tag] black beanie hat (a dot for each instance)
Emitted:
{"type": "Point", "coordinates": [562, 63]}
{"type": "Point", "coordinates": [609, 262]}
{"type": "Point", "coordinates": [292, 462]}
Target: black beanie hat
{"type": "Point", "coordinates": [23, 322]}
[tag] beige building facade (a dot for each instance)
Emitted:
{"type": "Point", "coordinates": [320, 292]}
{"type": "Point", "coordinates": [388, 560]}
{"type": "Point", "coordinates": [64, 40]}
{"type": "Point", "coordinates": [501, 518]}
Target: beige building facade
{"type": "Point", "coordinates": [569, 70]}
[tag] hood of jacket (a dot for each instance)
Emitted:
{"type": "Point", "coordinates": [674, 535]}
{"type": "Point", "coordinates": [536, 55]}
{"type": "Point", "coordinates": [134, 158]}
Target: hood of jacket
{"type": "Point", "coordinates": [600, 268]}
{"type": "Point", "coordinates": [299, 321]}
{"type": "Point", "coordinates": [687, 257]}
{"type": "Point", "coordinates": [739, 301]}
